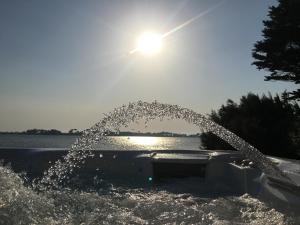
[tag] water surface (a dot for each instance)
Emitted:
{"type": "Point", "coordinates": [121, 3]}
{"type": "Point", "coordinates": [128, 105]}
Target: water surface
{"type": "Point", "coordinates": [110, 143]}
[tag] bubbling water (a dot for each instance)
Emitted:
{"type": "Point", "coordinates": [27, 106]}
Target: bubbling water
{"type": "Point", "coordinates": [19, 204]}
{"type": "Point", "coordinates": [132, 112]}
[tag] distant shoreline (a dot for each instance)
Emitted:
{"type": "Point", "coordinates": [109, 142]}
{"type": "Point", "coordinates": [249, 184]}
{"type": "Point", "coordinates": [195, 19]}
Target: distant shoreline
{"type": "Point", "coordinates": [78, 133]}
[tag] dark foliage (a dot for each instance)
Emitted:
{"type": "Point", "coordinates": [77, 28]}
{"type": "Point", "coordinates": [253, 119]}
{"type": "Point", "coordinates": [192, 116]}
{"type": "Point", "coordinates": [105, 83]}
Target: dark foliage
{"type": "Point", "coordinates": [43, 132]}
{"type": "Point", "coordinates": [74, 132]}
{"type": "Point", "coordinates": [271, 124]}
{"type": "Point", "coordinates": [279, 51]}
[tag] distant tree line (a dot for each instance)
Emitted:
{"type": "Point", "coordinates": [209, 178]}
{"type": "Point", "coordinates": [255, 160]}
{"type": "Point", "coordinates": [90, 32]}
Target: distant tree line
{"type": "Point", "coordinates": [44, 132]}
{"type": "Point", "coordinates": [121, 133]}
{"type": "Point", "coordinates": [152, 134]}
{"type": "Point", "coordinates": [271, 124]}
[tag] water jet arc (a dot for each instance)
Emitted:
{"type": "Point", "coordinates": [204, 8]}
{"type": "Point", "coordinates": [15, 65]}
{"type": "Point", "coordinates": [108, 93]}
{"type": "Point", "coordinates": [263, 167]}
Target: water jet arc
{"type": "Point", "coordinates": [126, 114]}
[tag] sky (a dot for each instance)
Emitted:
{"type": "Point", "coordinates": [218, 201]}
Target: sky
{"type": "Point", "coordinates": [63, 63]}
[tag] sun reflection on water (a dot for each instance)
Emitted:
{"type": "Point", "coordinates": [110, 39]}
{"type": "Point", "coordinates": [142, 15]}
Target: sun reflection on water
{"type": "Point", "coordinates": [145, 141]}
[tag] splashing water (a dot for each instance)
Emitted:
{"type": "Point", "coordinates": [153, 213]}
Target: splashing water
{"type": "Point", "coordinates": [132, 112]}
{"type": "Point", "coordinates": [20, 204]}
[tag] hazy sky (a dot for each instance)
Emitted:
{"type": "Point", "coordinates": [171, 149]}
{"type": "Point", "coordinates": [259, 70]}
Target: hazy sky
{"type": "Point", "coordinates": [64, 63]}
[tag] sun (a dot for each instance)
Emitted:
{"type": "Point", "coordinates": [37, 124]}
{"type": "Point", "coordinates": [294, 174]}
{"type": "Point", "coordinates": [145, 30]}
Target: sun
{"type": "Point", "coordinates": [149, 43]}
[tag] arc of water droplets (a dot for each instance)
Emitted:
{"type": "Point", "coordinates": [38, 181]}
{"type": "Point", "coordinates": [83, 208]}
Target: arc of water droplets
{"type": "Point", "coordinates": [132, 112]}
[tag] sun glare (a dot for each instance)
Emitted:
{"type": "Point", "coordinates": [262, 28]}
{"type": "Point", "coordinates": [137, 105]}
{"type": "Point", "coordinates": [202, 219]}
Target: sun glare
{"type": "Point", "coordinates": [149, 43]}
{"type": "Point", "coordinates": [145, 141]}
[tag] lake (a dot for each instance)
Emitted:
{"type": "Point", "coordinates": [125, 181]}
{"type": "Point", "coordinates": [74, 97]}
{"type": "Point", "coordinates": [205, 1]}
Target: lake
{"type": "Point", "coordinates": [109, 143]}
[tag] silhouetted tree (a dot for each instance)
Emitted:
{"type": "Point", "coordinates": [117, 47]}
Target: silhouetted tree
{"type": "Point", "coordinates": [279, 51]}
{"type": "Point", "coordinates": [271, 124]}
